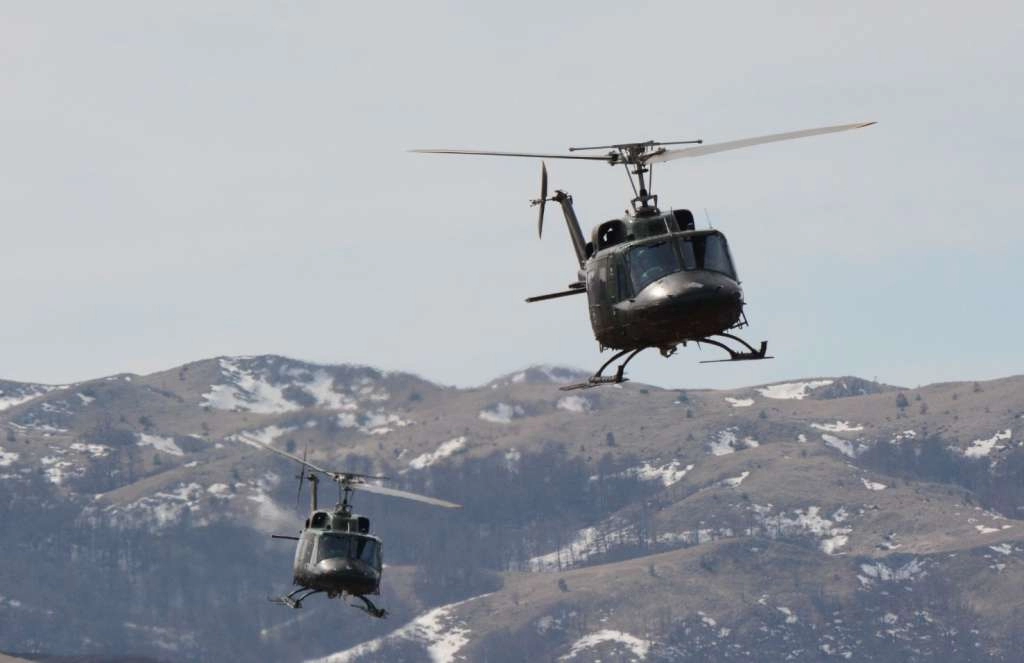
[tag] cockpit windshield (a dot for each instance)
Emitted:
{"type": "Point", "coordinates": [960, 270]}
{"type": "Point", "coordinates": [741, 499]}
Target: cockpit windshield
{"type": "Point", "coordinates": [706, 252]}
{"type": "Point", "coordinates": [650, 262]}
{"type": "Point", "coordinates": [349, 546]}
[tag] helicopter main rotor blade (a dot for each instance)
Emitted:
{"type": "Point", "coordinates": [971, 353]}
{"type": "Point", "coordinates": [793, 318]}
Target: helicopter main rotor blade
{"type": "Point", "coordinates": [514, 154]}
{"type": "Point", "coordinates": [714, 148]}
{"type": "Point", "coordinates": [394, 492]}
{"type": "Point", "coordinates": [337, 476]}
{"type": "Point", "coordinates": [302, 475]}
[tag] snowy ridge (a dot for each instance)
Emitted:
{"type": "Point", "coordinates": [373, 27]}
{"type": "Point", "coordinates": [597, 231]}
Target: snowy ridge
{"type": "Point", "coordinates": [268, 385]}
{"type": "Point", "coordinates": [13, 394]}
{"type": "Point", "coordinates": [541, 374]}
{"type": "Point", "coordinates": [439, 631]}
{"type": "Point", "coordinates": [792, 390]}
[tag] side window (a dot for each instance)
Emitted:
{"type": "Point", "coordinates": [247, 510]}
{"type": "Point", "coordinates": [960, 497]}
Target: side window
{"type": "Point", "coordinates": [612, 281]}
{"type": "Point", "coordinates": [305, 550]}
{"type": "Point", "coordinates": [689, 258]}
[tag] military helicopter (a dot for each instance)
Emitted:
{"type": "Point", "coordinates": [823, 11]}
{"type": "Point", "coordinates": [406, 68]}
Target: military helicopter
{"type": "Point", "coordinates": [336, 554]}
{"type": "Point", "coordinates": [653, 280]}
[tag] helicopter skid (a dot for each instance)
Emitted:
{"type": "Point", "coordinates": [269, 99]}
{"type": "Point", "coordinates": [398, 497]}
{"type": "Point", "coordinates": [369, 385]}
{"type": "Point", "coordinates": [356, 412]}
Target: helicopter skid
{"type": "Point", "coordinates": [750, 354]}
{"type": "Point", "coordinates": [293, 600]}
{"type": "Point", "coordinates": [597, 379]}
{"type": "Point", "coordinates": [369, 608]}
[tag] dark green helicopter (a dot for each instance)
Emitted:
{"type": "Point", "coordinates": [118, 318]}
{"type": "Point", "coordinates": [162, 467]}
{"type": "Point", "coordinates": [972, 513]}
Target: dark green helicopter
{"type": "Point", "coordinates": [652, 279]}
{"type": "Point", "coordinates": [336, 554]}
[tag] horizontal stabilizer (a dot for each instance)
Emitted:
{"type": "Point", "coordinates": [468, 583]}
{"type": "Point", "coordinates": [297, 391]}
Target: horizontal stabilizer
{"type": "Point", "coordinates": [555, 295]}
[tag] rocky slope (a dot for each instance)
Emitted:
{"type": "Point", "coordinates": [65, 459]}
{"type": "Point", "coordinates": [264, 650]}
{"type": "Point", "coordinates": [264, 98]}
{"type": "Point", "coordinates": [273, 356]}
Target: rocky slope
{"type": "Point", "coordinates": [821, 518]}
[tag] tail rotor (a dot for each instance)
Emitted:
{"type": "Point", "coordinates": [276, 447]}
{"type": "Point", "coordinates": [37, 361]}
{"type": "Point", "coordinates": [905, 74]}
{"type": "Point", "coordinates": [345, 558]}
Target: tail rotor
{"type": "Point", "coordinates": [543, 198]}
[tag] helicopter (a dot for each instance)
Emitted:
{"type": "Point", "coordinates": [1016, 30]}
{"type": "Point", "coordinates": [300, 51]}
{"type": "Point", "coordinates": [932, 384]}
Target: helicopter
{"type": "Point", "coordinates": [652, 279]}
{"type": "Point", "coordinates": [335, 553]}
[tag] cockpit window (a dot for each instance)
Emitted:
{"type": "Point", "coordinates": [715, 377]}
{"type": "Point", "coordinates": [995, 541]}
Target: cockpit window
{"type": "Point", "coordinates": [716, 255]}
{"type": "Point", "coordinates": [650, 262]}
{"type": "Point", "coordinates": [349, 546]}
{"type": "Point", "coordinates": [706, 252]}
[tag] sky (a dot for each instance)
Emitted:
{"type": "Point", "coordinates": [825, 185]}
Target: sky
{"type": "Point", "coordinates": [193, 179]}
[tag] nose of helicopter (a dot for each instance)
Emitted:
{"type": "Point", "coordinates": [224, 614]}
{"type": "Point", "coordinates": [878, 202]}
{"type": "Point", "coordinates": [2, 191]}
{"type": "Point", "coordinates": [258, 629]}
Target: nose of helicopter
{"type": "Point", "coordinates": [350, 573]}
{"type": "Point", "coordinates": [701, 302]}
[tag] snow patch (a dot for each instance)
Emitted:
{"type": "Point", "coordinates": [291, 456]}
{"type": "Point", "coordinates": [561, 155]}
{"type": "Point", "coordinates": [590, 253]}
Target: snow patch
{"type": "Point", "coordinates": [577, 404]}
{"type": "Point", "coordinates": [1003, 549]}
{"type": "Point", "coordinates": [579, 549]}
{"type": "Point", "coordinates": [905, 435]}
{"type": "Point", "coordinates": [668, 474]}
{"type": "Point", "coordinates": [7, 457]}
{"type": "Point", "coordinates": [512, 458]}
{"type": "Point", "coordinates": [164, 444]}
{"type": "Point", "coordinates": [94, 450]}
{"type": "Point", "coordinates": [221, 490]}
{"type": "Point", "coordinates": [839, 427]}
{"type": "Point", "coordinates": [981, 448]}
{"type": "Point", "coordinates": [790, 617]}
{"type": "Point", "coordinates": [13, 397]}
{"type": "Point", "coordinates": [879, 571]}
{"type": "Point", "coordinates": [163, 508]}
{"type": "Point", "coordinates": [792, 390]}
{"type": "Point", "coordinates": [261, 436]}
{"type": "Point", "coordinates": [446, 449]}
{"type": "Point", "coordinates": [246, 392]}
{"type": "Point", "coordinates": [734, 482]}
{"type": "Point", "coordinates": [501, 413]}
{"type": "Point", "coordinates": [872, 485]}
{"type": "Point", "coordinates": [726, 442]}
{"type": "Point", "coordinates": [739, 402]}
{"type": "Point", "coordinates": [831, 536]}
{"type": "Point", "coordinates": [844, 447]}
{"type": "Point", "coordinates": [637, 647]}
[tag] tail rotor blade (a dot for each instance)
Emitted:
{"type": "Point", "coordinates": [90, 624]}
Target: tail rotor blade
{"type": "Point", "coordinates": [543, 198]}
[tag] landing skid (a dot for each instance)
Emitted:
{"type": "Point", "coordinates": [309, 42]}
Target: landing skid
{"type": "Point", "coordinates": [750, 354]}
{"type": "Point", "coordinates": [293, 600]}
{"type": "Point", "coordinates": [369, 608]}
{"type": "Point", "coordinates": [597, 379]}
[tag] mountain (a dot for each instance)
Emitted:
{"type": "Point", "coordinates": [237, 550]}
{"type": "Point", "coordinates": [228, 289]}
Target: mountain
{"type": "Point", "coordinates": [829, 517]}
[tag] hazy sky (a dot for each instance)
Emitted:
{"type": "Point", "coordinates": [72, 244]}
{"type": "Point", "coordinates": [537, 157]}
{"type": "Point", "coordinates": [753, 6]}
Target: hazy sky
{"type": "Point", "coordinates": [183, 180]}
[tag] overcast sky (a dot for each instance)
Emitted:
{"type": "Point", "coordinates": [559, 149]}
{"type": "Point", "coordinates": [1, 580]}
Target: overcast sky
{"type": "Point", "coordinates": [190, 179]}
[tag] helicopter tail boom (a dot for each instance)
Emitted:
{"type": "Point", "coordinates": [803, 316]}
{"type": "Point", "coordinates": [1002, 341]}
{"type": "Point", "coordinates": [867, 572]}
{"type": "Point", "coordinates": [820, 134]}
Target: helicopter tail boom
{"type": "Point", "coordinates": [575, 234]}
